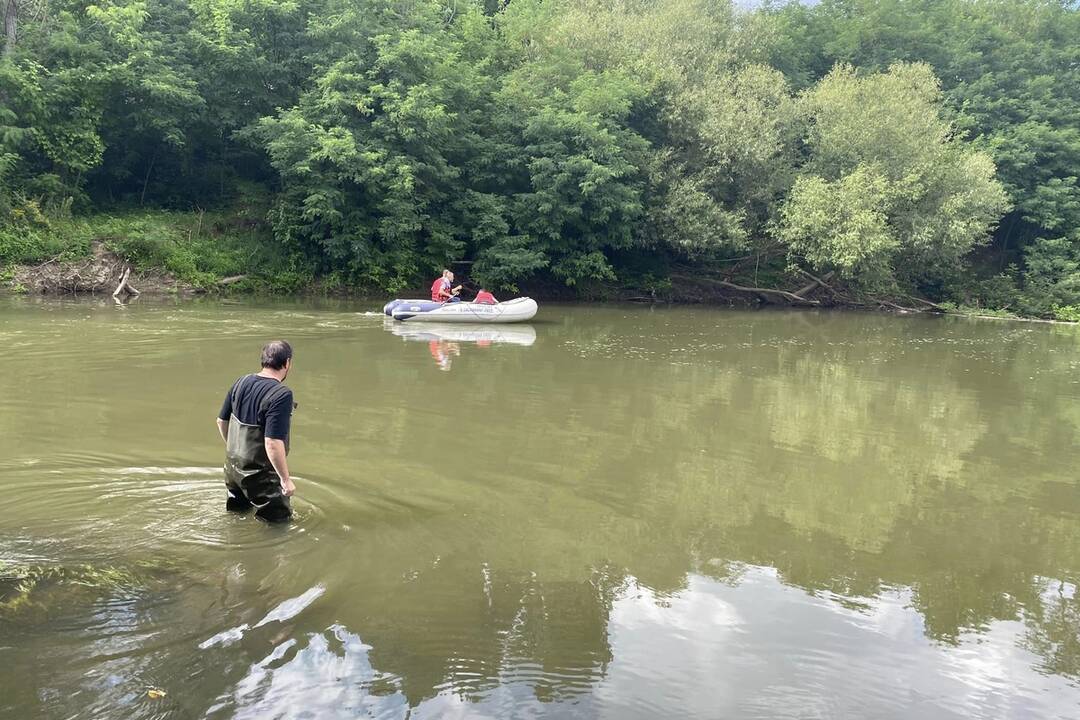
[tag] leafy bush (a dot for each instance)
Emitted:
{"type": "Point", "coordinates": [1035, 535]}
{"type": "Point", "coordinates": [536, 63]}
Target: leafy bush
{"type": "Point", "coordinates": [1052, 277]}
{"type": "Point", "coordinates": [1067, 313]}
{"type": "Point", "coordinates": [961, 309]}
{"type": "Point", "coordinates": [28, 237]}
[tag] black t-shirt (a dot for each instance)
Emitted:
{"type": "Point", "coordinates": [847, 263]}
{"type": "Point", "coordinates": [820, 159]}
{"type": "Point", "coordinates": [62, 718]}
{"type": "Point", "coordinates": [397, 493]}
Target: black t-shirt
{"type": "Point", "coordinates": [250, 391]}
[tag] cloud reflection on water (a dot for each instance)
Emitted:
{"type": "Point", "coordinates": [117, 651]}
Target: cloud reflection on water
{"type": "Point", "coordinates": [751, 649]}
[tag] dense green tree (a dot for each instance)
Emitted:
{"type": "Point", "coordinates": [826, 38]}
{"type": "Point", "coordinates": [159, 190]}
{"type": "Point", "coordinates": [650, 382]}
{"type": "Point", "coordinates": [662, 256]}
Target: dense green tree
{"type": "Point", "coordinates": [1009, 72]}
{"type": "Point", "coordinates": [50, 108]}
{"type": "Point", "coordinates": [886, 184]}
{"type": "Point", "coordinates": [377, 157]}
{"type": "Point", "coordinates": [576, 169]}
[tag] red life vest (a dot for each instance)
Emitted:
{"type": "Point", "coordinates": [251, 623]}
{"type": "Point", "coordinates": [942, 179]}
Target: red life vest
{"type": "Point", "coordinates": [436, 288]}
{"type": "Point", "coordinates": [485, 298]}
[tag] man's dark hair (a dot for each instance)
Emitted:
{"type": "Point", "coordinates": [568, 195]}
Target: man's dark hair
{"type": "Point", "coordinates": [275, 354]}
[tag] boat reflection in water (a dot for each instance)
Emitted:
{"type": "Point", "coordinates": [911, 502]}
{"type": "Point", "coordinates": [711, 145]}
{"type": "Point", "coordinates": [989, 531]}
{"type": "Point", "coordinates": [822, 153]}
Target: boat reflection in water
{"type": "Point", "coordinates": [445, 340]}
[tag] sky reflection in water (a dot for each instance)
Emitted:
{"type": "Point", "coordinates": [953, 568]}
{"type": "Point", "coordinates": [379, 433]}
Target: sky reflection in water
{"type": "Point", "coordinates": [750, 649]}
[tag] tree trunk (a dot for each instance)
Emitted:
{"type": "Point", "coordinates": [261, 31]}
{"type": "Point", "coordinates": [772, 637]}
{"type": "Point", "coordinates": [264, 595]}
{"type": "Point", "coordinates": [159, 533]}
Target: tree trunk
{"type": "Point", "coordinates": [124, 288]}
{"type": "Point", "coordinates": [763, 293]}
{"type": "Point", "coordinates": [815, 282]}
{"type": "Point", "coordinates": [146, 180]}
{"type": "Point", "coordinates": [11, 17]}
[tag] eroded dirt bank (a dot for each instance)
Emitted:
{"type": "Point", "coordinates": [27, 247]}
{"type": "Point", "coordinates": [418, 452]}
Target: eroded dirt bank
{"type": "Point", "coordinates": [100, 273]}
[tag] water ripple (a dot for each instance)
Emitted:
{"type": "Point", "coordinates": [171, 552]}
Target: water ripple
{"type": "Point", "coordinates": [92, 504]}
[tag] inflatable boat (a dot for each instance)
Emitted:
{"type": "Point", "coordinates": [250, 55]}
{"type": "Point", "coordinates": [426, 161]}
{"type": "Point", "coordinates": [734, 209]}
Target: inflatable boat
{"type": "Point", "coordinates": [516, 310]}
{"type": "Point", "coordinates": [388, 308]}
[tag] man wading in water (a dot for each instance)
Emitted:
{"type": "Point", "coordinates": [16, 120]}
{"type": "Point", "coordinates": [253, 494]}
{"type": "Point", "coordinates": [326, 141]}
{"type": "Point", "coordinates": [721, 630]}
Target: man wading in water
{"type": "Point", "coordinates": [254, 423]}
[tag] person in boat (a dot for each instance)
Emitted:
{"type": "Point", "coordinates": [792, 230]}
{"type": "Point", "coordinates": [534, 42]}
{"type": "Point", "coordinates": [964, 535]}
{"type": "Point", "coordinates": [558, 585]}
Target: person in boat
{"type": "Point", "coordinates": [254, 425]}
{"type": "Point", "coordinates": [485, 298]}
{"type": "Point", "coordinates": [441, 290]}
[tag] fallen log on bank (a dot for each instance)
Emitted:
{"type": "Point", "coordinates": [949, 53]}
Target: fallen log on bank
{"type": "Point", "coordinates": [768, 295]}
{"type": "Point", "coordinates": [763, 293]}
{"type": "Point", "coordinates": [124, 288]}
{"type": "Point", "coordinates": [789, 296]}
{"type": "Point", "coordinates": [815, 282]}
{"type": "Point", "coordinates": [898, 308]}
{"type": "Point", "coordinates": [930, 305]}
{"type": "Point", "coordinates": [836, 297]}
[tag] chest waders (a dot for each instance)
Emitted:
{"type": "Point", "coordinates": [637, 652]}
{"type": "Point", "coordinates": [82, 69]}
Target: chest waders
{"type": "Point", "coordinates": [249, 475]}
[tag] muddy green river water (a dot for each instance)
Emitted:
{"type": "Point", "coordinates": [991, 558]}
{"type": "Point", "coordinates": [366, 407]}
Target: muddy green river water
{"type": "Point", "coordinates": [609, 512]}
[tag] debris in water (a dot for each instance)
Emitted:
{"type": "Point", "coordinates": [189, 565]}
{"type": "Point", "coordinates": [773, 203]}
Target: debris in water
{"type": "Point", "coordinates": [292, 607]}
{"type": "Point", "coordinates": [225, 637]}
{"type": "Point", "coordinates": [155, 693]}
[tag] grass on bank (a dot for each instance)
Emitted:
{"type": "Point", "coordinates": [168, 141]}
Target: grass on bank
{"type": "Point", "coordinates": [198, 248]}
{"type": "Point", "coordinates": [1059, 313]}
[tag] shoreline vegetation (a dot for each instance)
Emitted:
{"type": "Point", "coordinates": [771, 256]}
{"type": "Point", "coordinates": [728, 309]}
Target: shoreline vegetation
{"type": "Point", "coordinates": [901, 155]}
{"type": "Point", "coordinates": [176, 263]}
{"type": "Point", "coordinates": [188, 254]}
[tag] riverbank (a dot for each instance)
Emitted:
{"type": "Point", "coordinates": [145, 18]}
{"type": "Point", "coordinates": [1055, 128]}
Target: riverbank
{"type": "Point", "coordinates": [234, 251]}
{"type": "Point", "coordinates": [167, 252]}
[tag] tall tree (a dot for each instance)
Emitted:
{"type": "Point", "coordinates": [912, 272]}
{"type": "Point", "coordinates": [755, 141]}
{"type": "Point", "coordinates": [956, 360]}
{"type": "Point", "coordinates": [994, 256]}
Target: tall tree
{"type": "Point", "coordinates": [11, 26]}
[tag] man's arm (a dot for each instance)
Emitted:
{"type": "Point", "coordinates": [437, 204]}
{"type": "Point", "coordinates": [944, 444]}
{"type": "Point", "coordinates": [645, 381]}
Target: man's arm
{"type": "Point", "coordinates": [278, 419]}
{"type": "Point", "coordinates": [224, 414]}
{"type": "Point", "coordinates": [275, 450]}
